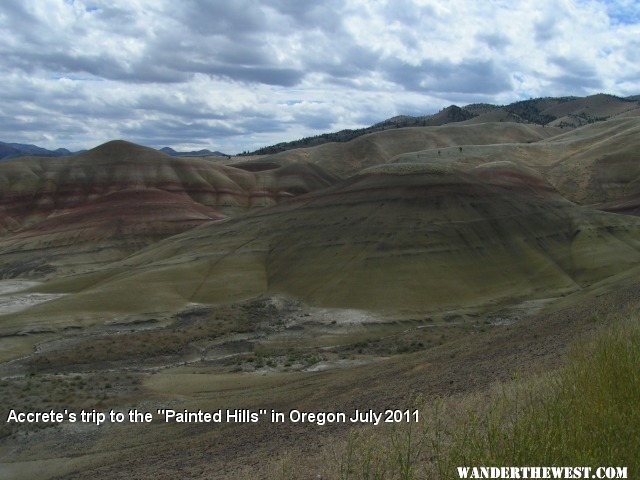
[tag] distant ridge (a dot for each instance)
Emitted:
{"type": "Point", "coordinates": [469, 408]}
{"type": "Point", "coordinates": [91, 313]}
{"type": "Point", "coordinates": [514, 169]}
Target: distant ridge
{"type": "Point", "coordinates": [564, 112]}
{"type": "Point", "coordinates": [451, 114]}
{"type": "Point", "coordinates": [194, 153]}
{"type": "Point", "coordinates": [13, 150]}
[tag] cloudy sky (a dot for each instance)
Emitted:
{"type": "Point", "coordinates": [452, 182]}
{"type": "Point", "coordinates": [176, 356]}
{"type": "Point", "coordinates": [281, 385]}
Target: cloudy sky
{"type": "Point", "coordinates": [234, 75]}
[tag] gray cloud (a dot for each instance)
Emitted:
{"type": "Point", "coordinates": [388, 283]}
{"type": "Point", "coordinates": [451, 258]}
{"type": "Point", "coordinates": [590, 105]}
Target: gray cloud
{"type": "Point", "coordinates": [576, 75]}
{"type": "Point", "coordinates": [573, 66]}
{"type": "Point", "coordinates": [545, 30]}
{"type": "Point", "coordinates": [159, 131]}
{"type": "Point", "coordinates": [481, 77]}
{"type": "Point", "coordinates": [325, 16]}
{"type": "Point", "coordinates": [574, 84]}
{"type": "Point", "coordinates": [494, 40]}
{"type": "Point", "coordinates": [285, 77]}
{"type": "Point", "coordinates": [409, 14]}
{"type": "Point", "coordinates": [237, 75]}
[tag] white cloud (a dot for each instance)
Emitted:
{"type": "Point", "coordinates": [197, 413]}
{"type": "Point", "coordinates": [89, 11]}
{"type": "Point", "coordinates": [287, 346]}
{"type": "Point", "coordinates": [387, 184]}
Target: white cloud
{"type": "Point", "coordinates": [238, 75]}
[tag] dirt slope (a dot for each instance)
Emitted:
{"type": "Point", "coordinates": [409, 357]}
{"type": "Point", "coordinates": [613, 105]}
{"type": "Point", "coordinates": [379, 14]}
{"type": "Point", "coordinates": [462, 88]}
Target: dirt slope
{"type": "Point", "coordinates": [399, 239]}
{"type": "Point", "coordinates": [597, 164]}
{"type": "Point", "coordinates": [348, 158]}
{"type": "Point", "coordinates": [119, 197]}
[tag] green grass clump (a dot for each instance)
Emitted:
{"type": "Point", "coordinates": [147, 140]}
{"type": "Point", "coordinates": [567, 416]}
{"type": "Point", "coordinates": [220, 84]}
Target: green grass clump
{"type": "Point", "coordinates": [587, 415]}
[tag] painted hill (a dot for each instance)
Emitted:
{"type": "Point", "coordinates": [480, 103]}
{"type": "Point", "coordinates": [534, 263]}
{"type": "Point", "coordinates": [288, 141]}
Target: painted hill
{"type": "Point", "coordinates": [83, 205]}
{"type": "Point", "coordinates": [116, 198]}
{"type": "Point", "coordinates": [400, 239]}
{"type": "Point", "coordinates": [449, 207]}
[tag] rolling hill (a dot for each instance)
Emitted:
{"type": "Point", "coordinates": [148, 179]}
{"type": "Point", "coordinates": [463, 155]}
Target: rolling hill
{"type": "Point", "coordinates": [104, 204]}
{"type": "Point", "coordinates": [479, 200]}
{"type": "Point", "coordinates": [376, 148]}
{"type": "Point", "coordinates": [563, 112]}
{"type": "Point", "coordinates": [596, 164]}
{"type": "Point", "coordinates": [400, 239]}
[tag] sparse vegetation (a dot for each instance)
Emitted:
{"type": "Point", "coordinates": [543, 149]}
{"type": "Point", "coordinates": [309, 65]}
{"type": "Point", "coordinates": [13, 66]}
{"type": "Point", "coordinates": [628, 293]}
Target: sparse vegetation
{"type": "Point", "coordinates": [527, 111]}
{"type": "Point", "coordinates": [35, 393]}
{"type": "Point", "coordinates": [584, 414]}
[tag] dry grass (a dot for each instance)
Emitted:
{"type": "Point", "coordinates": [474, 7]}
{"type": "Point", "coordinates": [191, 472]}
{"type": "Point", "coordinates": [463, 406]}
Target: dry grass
{"type": "Point", "coordinates": [585, 414]}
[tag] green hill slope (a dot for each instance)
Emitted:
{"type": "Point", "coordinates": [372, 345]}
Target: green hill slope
{"type": "Point", "coordinates": [399, 239]}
